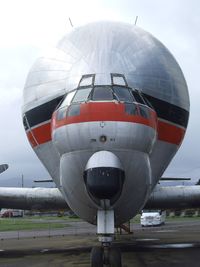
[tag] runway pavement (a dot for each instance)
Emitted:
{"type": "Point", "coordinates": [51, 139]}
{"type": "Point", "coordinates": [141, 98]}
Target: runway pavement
{"type": "Point", "coordinates": [175, 244]}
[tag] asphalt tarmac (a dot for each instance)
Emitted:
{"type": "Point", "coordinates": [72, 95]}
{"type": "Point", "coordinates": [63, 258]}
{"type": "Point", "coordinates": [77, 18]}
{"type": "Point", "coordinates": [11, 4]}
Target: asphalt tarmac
{"type": "Point", "coordinates": [175, 244]}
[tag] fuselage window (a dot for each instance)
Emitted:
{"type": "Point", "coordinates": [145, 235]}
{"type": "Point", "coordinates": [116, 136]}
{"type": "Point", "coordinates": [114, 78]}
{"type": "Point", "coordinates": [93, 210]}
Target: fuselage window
{"type": "Point", "coordinates": [144, 112]}
{"type": "Point", "coordinates": [73, 110]}
{"type": "Point", "coordinates": [131, 109]}
{"type": "Point", "coordinates": [82, 95]}
{"type": "Point", "coordinates": [122, 94]}
{"type": "Point", "coordinates": [102, 93]}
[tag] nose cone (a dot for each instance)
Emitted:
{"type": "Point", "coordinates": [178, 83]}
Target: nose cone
{"type": "Point", "coordinates": [104, 176]}
{"type": "Point", "coordinates": [104, 159]}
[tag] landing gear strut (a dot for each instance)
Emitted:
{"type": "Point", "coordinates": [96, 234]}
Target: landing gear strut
{"type": "Point", "coordinates": [105, 255]}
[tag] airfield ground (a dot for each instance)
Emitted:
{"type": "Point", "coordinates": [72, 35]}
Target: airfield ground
{"type": "Point", "coordinates": [175, 244]}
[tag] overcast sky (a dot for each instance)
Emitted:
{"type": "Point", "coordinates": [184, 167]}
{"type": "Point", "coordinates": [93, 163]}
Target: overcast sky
{"type": "Point", "coordinates": [29, 27]}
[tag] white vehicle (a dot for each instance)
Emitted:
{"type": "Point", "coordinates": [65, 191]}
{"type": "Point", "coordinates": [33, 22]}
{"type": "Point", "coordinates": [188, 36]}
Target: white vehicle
{"type": "Point", "coordinates": [17, 213]}
{"type": "Point", "coordinates": [152, 218]}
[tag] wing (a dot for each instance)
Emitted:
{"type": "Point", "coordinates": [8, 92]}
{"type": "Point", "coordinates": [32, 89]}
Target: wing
{"type": "Point", "coordinates": [163, 197]}
{"type": "Point", "coordinates": [32, 198]}
{"type": "Point", "coordinates": [174, 197]}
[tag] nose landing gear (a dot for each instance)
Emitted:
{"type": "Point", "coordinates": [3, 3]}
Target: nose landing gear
{"type": "Point", "coordinates": [104, 178]}
{"type": "Point", "coordinates": [105, 255]}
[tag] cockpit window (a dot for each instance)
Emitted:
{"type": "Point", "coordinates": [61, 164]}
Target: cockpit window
{"type": "Point", "coordinates": [148, 103]}
{"type": "Point", "coordinates": [117, 80]}
{"type": "Point", "coordinates": [61, 114]}
{"type": "Point", "coordinates": [102, 93]}
{"type": "Point", "coordinates": [144, 112]}
{"type": "Point", "coordinates": [67, 100]}
{"type": "Point", "coordinates": [86, 81]}
{"type": "Point", "coordinates": [82, 95]}
{"type": "Point", "coordinates": [122, 94]}
{"type": "Point", "coordinates": [138, 98]}
{"type": "Point", "coordinates": [74, 110]}
{"type": "Point", "coordinates": [131, 109]}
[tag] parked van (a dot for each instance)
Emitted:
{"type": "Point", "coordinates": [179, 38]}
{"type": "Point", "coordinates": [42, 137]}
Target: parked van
{"type": "Point", "coordinates": [152, 217]}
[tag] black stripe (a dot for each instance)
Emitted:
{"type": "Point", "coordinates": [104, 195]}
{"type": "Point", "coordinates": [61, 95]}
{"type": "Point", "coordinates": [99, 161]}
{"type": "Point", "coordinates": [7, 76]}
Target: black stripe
{"type": "Point", "coordinates": [163, 109]}
{"type": "Point", "coordinates": [169, 111]}
{"type": "Point", "coordinates": [43, 112]}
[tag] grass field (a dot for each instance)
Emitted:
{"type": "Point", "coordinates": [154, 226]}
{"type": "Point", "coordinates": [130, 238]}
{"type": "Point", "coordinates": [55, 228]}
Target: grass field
{"type": "Point", "coordinates": [13, 224]}
{"type": "Point", "coordinates": [54, 222]}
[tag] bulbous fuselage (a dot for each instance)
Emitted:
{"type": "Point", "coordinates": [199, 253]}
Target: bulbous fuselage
{"type": "Point", "coordinates": [111, 97]}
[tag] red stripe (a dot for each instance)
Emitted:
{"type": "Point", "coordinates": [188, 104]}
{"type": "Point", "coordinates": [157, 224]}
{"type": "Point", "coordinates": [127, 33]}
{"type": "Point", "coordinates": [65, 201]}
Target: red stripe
{"type": "Point", "coordinates": [107, 112]}
{"type": "Point", "coordinates": [104, 112]}
{"type": "Point", "coordinates": [170, 133]}
{"type": "Point", "coordinates": [42, 134]}
{"type": "Point", "coordinates": [166, 132]}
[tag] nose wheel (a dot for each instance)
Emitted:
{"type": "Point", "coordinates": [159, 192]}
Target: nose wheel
{"type": "Point", "coordinates": [97, 257]}
{"type": "Point", "coordinates": [115, 257]}
{"type": "Point", "coordinates": [105, 256]}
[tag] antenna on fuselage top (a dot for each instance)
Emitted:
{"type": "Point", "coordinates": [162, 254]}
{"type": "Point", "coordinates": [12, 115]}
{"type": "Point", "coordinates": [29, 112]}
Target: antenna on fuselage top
{"type": "Point", "coordinates": [71, 22]}
{"type": "Point", "coordinates": [136, 20]}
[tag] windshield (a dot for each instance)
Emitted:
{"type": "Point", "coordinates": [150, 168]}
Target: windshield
{"type": "Point", "coordinates": [102, 93]}
{"type": "Point", "coordinates": [122, 94]}
{"type": "Point", "coordinates": [82, 95]}
{"type": "Point", "coordinates": [108, 93]}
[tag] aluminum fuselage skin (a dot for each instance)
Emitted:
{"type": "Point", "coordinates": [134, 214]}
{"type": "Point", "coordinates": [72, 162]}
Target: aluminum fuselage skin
{"type": "Point", "coordinates": [144, 150]}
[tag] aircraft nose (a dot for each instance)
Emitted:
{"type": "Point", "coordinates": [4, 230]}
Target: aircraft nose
{"type": "Point", "coordinates": [104, 176]}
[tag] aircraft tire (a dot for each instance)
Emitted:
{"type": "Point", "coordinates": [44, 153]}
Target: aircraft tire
{"type": "Point", "coordinates": [115, 257]}
{"type": "Point", "coordinates": [97, 257]}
